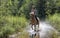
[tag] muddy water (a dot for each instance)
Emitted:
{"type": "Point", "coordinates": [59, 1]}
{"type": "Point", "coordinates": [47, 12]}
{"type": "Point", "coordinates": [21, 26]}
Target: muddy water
{"type": "Point", "coordinates": [46, 31]}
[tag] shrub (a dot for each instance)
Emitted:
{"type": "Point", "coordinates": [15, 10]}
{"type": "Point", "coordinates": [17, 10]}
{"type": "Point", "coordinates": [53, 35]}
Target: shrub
{"type": "Point", "coordinates": [55, 21]}
{"type": "Point", "coordinates": [11, 24]}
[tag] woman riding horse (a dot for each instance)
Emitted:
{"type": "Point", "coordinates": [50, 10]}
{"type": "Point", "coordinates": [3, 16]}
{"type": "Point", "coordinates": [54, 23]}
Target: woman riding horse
{"type": "Point", "coordinates": [34, 21]}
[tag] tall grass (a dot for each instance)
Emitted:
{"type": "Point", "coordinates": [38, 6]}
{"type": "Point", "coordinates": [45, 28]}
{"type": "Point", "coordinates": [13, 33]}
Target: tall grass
{"type": "Point", "coordinates": [11, 24]}
{"type": "Point", "coordinates": [55, 20]}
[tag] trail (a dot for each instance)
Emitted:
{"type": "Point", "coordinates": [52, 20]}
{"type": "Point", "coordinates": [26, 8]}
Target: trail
{"type": "Point", "coordinates": [46, 30]}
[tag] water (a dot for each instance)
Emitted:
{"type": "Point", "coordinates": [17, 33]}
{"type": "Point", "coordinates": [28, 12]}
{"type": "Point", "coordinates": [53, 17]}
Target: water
{"type": "Point", "coordinates": [46, 31]}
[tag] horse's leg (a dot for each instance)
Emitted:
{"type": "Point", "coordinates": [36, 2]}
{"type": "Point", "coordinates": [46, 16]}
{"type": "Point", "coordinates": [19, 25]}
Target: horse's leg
{"type": "Point", "coordinates": [38, 35]}
{"type": "Point", "coordinates": [38, 26]}
{"type": "Point", "coordinates": [34, 27]}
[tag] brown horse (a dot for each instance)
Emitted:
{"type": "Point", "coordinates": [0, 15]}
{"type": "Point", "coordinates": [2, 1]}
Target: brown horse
{"type": "Point", "coordinates": [33, 21]}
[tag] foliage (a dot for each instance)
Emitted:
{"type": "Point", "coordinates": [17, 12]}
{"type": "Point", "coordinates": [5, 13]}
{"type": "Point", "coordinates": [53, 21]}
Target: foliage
{"type": "Point", "coordinates": [16, 7]}
{"type": "Point", "coordinates": [55, 20]}
{"type": "Point", "coordinates": [24, 35]}
{"type": "Point", "coordinates": [13, 13]}
{"type": "Point", "coordinates": [11, 24]}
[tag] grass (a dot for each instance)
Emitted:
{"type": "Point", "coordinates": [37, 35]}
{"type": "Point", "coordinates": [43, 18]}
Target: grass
{"type": "Point", "coordinates": [24, 35]}
{"type": "Point", "coordinates": [11, 24]}
{"type": "Point", "coordinates": [55, 21]}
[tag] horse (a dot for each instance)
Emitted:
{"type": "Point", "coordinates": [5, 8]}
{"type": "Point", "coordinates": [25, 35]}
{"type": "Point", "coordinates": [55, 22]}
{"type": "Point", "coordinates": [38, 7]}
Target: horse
{"type": "Point", "coordinates": [34, 21]}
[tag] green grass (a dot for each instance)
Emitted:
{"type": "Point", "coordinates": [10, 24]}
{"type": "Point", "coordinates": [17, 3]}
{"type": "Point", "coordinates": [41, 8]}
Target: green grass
{"type": "Point", "coordinates": [11, 24]}
{"type": "Point", "coordinates": [24, 35]}
{"type": "Point", "coordinates": [55, 21]}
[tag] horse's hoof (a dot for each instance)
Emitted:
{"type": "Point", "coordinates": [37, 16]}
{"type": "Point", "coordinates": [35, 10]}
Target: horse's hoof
{"type": "Point", "coordinates": [35, 34]}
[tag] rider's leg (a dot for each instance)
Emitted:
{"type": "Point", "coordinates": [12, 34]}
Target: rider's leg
{"type": "Point", "coordinates": [36, 17]}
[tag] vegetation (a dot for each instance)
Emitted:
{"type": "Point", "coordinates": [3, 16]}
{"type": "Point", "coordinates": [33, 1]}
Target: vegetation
{"type": "Point", "coordinates": [55, 21]}
{"type": "Point", "coordinates": [11, 24]}
{"type": "Point", "coordinates": [15, 13]}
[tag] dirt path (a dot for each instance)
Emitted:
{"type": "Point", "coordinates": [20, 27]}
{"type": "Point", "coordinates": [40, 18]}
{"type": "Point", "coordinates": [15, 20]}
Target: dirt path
{"type": "Point", "coordinates": [46, 31]}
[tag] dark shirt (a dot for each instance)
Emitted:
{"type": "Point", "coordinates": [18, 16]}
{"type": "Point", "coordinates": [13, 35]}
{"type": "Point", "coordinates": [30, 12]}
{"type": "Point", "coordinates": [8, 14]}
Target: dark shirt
{"type": "Point", "coordinates": [36, 13]}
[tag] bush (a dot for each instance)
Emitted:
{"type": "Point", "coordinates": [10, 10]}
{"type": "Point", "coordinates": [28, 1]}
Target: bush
{"type": "Point", "coordinates": [11, 24]}
{"type": "Point", "coordinates": [55, 21]}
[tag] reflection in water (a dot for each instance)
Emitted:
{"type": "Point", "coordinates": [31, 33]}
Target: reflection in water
{"type": "Point", "coordinates": [46, 31]}
{"type": "Point", "coordinates": [35, 35]}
